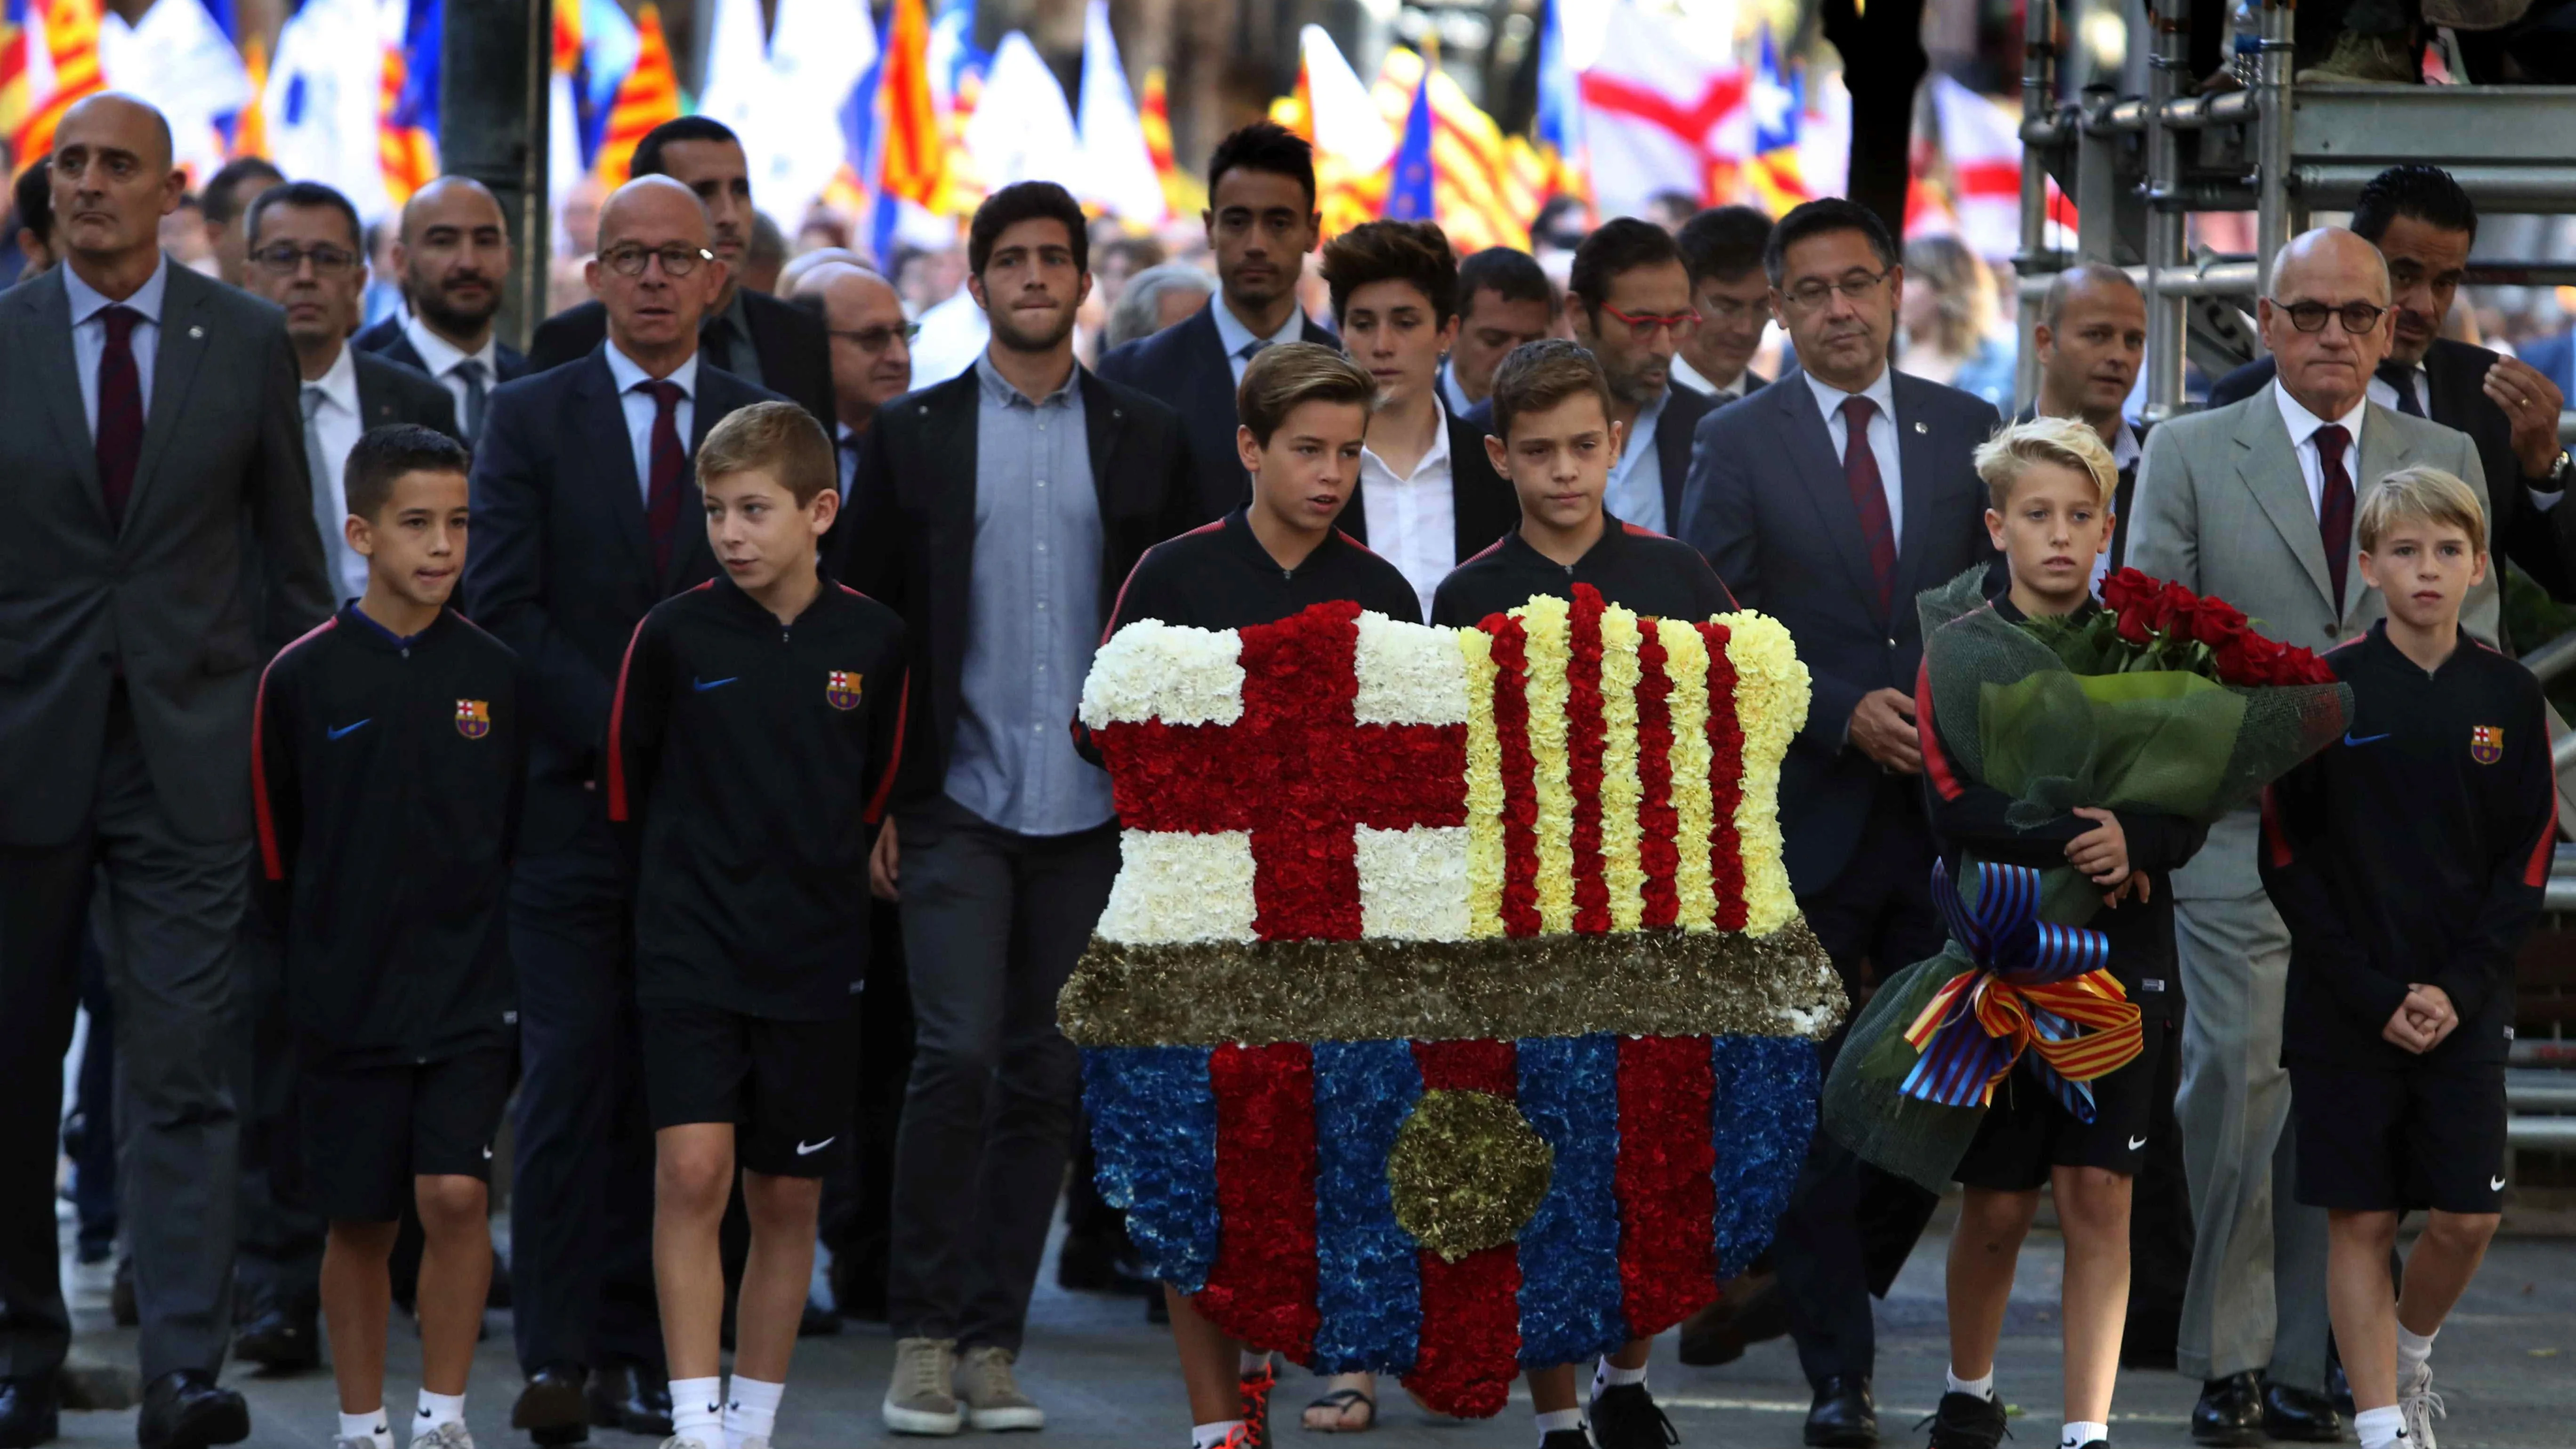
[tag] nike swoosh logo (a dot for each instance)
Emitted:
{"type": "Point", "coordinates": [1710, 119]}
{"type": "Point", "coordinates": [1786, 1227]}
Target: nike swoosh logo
{"type": "Point", "coordinates": [350, 729]}
{"type": "Point", "coordinates": [804, 1151]}
{"type": "Point", "coordinates": [706, 684]}
{"type": "Point", "coordinates": [2137, 1142]}
{"type": "Point", "coordinates": [2496, 1186]}
{"type": "Point", "coordinates": [2364, 740]}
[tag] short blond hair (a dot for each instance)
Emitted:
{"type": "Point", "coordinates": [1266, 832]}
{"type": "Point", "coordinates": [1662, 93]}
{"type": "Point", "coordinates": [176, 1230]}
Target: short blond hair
{"type": "Point", "coordinates": [2428, 494]}
{"type": "Point", "coordinates": [2003, 458]}
{"type": "Point", "coordinates": [780, 439]}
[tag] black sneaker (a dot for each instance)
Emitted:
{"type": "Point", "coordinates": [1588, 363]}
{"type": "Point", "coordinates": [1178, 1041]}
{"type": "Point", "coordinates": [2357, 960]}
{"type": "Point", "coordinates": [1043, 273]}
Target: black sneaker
{"type": "Point", "coordinates": [1967, 1421]}
{"type": "Point", "coordinates": [1624, 1416]}
{"type": "Point", "coordinates": [1566, 1439]}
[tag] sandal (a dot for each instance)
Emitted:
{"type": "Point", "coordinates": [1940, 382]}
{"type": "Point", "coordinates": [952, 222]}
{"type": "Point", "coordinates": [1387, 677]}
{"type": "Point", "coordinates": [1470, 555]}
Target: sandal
{"type": "Point", "coordinates": [1341, 1402]}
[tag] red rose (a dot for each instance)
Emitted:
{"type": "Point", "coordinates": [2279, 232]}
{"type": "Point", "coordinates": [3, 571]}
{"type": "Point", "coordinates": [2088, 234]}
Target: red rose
{"type": "Point", "coordinates": [2125, 589]}
{"type": "Point", "coordinates": [2172, 611]}
{"type": "Point", "coordinates": [2217, 622]}
{"type": "Point", "coordinates": [2134, 627]}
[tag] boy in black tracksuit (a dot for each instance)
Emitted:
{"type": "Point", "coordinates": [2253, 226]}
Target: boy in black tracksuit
{"type": "Point", "coordinates": [388, 751]}
{"type": "Point", "coordinates": [753, 739]}
{"type": "Point", "coordinates": [2408, 861]}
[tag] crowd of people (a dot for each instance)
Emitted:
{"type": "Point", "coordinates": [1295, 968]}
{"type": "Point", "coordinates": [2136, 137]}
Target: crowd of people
{"type": "Point", "coordinates": [739, 838]}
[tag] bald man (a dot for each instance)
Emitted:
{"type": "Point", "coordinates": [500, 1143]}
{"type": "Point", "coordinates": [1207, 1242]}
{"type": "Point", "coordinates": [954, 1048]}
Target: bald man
{"type": "Point", "coordinates": [2091, 339]}
{"type": "Point", "coordinates": [871, 349]}
{"type": "Point", "coordinates": [585, 516]}
{"type": "Point", "coordinates": [2254, 502]}
{"type": "Point", "coordinates": [453, 253]}
{"type": "Point", "coordinates": [161, 547]}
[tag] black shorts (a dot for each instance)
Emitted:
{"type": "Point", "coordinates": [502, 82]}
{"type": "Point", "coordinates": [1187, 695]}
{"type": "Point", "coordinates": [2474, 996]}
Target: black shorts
{"type": "Point", "coordinates": [2422, 1136]}
{"type": "Point", "coordinates": [790, 1088]}
{"type": "Point", "coordinates": [2027, 1132]}
{"type": "Point", "coordinates": [366, 1132]}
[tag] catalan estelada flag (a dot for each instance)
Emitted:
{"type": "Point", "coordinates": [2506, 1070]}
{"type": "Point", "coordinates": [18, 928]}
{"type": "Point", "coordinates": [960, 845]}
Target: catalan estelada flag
{"type": "Point", "coordinates": [1777, 98]}
{"type": "Point", "coordinates": [407, 104]}
{"type": "Point", "coordinates": [648, 96]}
{"type": "Point", "coordinates": [67, 31]}
{"type": "Point", "coordinates": [912, 154]}
{"type": "Point", "coordinates": [1485, 191]}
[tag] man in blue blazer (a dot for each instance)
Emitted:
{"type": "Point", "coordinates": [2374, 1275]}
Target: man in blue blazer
{"type": "Point", "coordinates": [1261, 222]}
{"type": "Point", "coordinates": [453, 252]}
{"type": "Point", "coordinates": [1829, 500]}
{"type": "Point", "coordinates": [586, 515]}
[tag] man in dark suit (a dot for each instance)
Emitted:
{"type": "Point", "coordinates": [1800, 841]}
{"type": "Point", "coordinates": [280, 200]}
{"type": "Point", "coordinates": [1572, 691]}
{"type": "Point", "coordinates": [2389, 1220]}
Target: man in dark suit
{"type": "Point", "coordinates": [1504, 300]}
{"type": "Point", "coordinates": [1628, 299]}
{"type": "Point", "coordinates": [1001, 510]}
{"type": "Point", "coordinates": [1261, 221]}
{"type": "Point", "coordinates": [1722, 246]}
{"type": "Point", "coordinates": [585, 516]}
{"type": "Point", "coordinates": [756, 337]}
{"type": "Point", "coordinates": [2424, 225]}
{"type": "Point", "coordinates": [161, 546]}
{"type": "Point", "coordinates": [453, 252]}
{"type": "Point", "coordinates": [1829, 501]}
{"type": "Point", "coordinates": [2091, 339]}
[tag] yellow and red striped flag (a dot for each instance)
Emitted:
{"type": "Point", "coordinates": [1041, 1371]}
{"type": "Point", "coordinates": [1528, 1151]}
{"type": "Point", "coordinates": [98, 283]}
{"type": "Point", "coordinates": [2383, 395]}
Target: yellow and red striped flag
{"type": "Point", "coordinates": [70, 38]}
{"type": "Point", "coordinates": [648, 96]}
{"type": "Point", "coordinates": [1485, 192]}
{"type": "Point", "coordinates": [1182, 192]}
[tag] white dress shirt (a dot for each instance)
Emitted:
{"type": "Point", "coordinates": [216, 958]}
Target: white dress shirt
{"type": "Point", "coordinates": [89, 332]}
{"type": "Point", "coordinates": [442, 359]}
{"type": "Point", "coordinates": [1689, 376]}
{"type": "Point", "coordinates": [640, 409]}
{"type": "Point", "coordinates": [1882, 438]}
{"type": "Point", "coordinates": [1237, 337]}
{"type": "Point", "coordinates": [1636, 491]}
{"type": "Point", "coordinates": [1412, 520]}
{"type": "Point", "coordinates": [2303, 427]}
{"type": "Point", "coordinates": [337, 422]}
{"type": "Point", "coordinates": [2125, 453]}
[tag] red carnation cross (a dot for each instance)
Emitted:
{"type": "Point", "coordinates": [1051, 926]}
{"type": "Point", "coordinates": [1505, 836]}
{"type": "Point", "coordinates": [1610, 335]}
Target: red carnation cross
{"type": "Point", "coordinates": [1298, 771]}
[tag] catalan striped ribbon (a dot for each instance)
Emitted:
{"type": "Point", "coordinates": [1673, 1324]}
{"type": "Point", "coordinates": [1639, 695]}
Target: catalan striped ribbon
{"type": "Point", "coordinates": [2036, 986]}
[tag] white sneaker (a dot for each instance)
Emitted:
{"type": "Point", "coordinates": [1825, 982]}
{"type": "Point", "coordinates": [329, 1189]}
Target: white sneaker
{"type": "Point", "coordinates": [690, 1441]}
{"type": "Point", "coordinates": [922, 1397]}
{"type": "Point", "coordinates": [993, 1398]}
{"type": "Point", "coordinates": [450, 1435]}
{"type": "Point", "coordinates": [2421, 1406]}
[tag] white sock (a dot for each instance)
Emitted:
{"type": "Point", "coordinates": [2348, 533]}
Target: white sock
{"type": "Point", "coordinates": [2077, 1435]}
{"type": "Point", "coordinates": [437, 1409]}
{"type": "Point", "coordinates": [1210, 1436]}
{"type": "Point", "coordinates": [1983, 1388]}
{"type": "Point", "coordinates": [2380, 1428]}
{"type": "Point", "coordinates": [751, 1410]}
{"type": "Point", "coordinates": [369, 1425]}
{"type": "Point", "coordinates": [1250, 1364]}
{"type": "Point", "coordinates": [2414, 1350]}
{"type": "Point", "coordinates": [1608, 1375]}
{"type": "Point", "coordinates": [1557, 1423]}
{"type": "Point", "coordinates": [697, 1410]}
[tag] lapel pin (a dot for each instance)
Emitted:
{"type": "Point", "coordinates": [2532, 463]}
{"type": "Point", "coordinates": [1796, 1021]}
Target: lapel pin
{"type": "Point", "coordinates": [1920, 428]}
{"type": "Point", "coordinates": [197, 332]}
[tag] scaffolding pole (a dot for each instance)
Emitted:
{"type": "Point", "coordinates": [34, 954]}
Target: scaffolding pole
{"type": "Point", "coordinates": [2038, 101]}
{"type": "Point", "coordinates": [2170, 23]}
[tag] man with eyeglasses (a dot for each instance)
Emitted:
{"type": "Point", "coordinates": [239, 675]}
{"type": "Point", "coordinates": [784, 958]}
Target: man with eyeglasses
{"type": "Point", "coordinates": [586, 515]}
{"type": "Point", "coordinates": [1628, 300]}
{"type": "Point", "coordinates": [871, 350]}
{"type": "Point", "coordinates": [2254, 502]}
{"type": "Point", "coordinates": [1829, 501]}
{"type": "Point", "coordinates": [1722, 246]}
{"type": "Point", "coordinates": [453, 250]}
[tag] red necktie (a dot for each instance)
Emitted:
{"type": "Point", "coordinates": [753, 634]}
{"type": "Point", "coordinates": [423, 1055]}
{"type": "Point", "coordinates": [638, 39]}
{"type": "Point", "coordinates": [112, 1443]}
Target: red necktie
{"type": "Point", "coordinates": [662, 496]}
{"type": "Point", "coordinates": [120, 411]}
{"type": "Point", "coordinates": [2334, 506]}
{"type": "Point", "coordinates": [1869, 495]}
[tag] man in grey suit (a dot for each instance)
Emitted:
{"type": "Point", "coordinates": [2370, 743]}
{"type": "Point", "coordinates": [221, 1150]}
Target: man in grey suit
{"type": "Point", "coordinates": [2254, 502]}
{"type": "Point", "coordinates": [149, 434]}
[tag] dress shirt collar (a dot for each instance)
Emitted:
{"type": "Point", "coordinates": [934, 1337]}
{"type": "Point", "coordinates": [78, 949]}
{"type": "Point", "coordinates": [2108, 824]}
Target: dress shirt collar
{"type": "Point", "coordinates": [630, 374]}
{"type": "Point", "coordinates": [2125, 451]}
{"type": "Point", "coordinates": [1000, 392]}
{"type": "Point", "coordinates": [2304, 424]}
{"type": "Point", "coordinates": [1439, 451]}
{"type": "Point", "coordinates": [340, 383]}
{"type": "Point", "coordinates": [1451, 394]}
{"type": "Point", "coordinates": [441, 356]}
{"type": "Point", "coordinates": [1231, 331]}
{"type": "Point", "coordinates": [1831, 398]}
{"type": "Point", "coordinates": [87, 301]}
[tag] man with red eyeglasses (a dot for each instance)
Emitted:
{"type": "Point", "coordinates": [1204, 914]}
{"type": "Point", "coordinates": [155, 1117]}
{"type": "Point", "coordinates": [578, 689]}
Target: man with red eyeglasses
{"type": "Point", "coordinates": [1629, 302]}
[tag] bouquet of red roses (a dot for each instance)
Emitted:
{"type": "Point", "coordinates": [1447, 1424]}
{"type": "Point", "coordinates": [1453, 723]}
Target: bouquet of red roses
{"type": "Point", "coordinates": [2146, 626]}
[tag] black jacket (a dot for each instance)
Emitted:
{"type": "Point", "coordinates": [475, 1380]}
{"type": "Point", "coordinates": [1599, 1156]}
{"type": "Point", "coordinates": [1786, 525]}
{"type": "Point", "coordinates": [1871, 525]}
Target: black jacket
{"type": "Point", "coordinates": [386, 780]}
{"type": "Point", "coordinates": [1684, 406]}
{"type": "Point", "coordinates": [1482, 507]}
{"type": "Point", "coordinates": [2414, 849]}
{"type": "Point", "coordinates": [1218, 576]}
{"type": "Point", "coordinates": [757, 758]}
{"type": "Point", "coordinates": [795, 350]}
{"type": "Point", "coordinates": [912, 533]}
{"type": "Point", "coordinates": [1635, 568]}
{"type": "Point", "coordinates": [386, 339]}
{"type": "Point", "coordinates": [1184, 368]}
{"type": "Point", "coordinates": [397, 392]}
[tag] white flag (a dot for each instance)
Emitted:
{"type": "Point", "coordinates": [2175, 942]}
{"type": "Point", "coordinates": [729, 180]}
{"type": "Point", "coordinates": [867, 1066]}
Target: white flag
{"type": "Point", "coordinates": [1022, 129]}
{"type": "Point", "coordinates": [1118, 172]}
{"type": "Point", "coordinates": [178, 56]}
{"type": "Point", "coordinates": [320, 105]}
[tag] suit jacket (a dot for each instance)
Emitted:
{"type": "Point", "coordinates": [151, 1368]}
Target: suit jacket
{"type": "Point", "coordinates": [913, 542]}
{"type": "Point", "coordinates": [2223, 509]}
{"type": "Point", "coordinates": [2455, 374]}
{"type": "Point", "coordinates": [1184, 368]}
{"type": "Point", "coordinates": [215, 567]}
{"type": "Point", "coordinates": [2555, 357]}
{"type": "Point", "coordinates": [1482, 506]}
{"type": "Point", "coordinates": [1768, 505]}
{"type": "Point", "coordinates": [795, 350]}
{"type": "Point", "coordinates": [562, 564]}
{"type": "Point", "coordinates": [386, 339]}
{"type": "Point", "coordinates": [397, 392]}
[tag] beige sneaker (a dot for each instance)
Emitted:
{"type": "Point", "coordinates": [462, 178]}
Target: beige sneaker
{"type": "Point", "coordinates": [2421, 1406]}
{"type": "Point", "coordinates": [993, 1398]}
{"type": "Point", "coordinates": [922, 1398]}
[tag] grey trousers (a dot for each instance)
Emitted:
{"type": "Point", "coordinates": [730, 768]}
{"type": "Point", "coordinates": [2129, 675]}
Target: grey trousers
{"type": "Point", "coordinates": [993, 923]}
{"type": "Point", "coordinates": [170, 908]}
{"type": "Point", "coordinates": [2256, 1298]}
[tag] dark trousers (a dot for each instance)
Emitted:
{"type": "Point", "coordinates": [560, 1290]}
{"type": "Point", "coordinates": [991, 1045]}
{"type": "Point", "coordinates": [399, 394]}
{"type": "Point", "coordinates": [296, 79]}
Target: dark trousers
{"type": "Point", "coordinates": [993, 923]}
{"type": "Point", "coordinates": [581, 1189]}
{"type": "Point", "coordinates": [171, 906]}
{"type": "Point", "coordinates": [280, 1260]}
{"type": "Point", "coordinates": [858, 1199]}
{"type": "Point", "coordinates": [90, 1136]}
{"type": "Point", "coordinates": [1849, 1226]}
{"type": "Point", "coordinates": [2159, 1221]}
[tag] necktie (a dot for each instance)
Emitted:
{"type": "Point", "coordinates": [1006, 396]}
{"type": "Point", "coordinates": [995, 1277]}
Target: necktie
{"type": "Point", "coordinates": [849, 463]}
{"type": "Point", "coordinates": [715, 342]}
{"type": "Point", "coordinates": [1252, 349]}
{"type": "Point", "coordinates": [2334, 505]}
{"type": "Point", "coordinates": [662, 495]}
{"type": "Point", "coordinates": [119, 437]}
{"type": "Point", "coordinates": [328, 511]}
{"type": "Point", "coordinates": [2402, 378]}
{"type": "Point", "coordinates": [471, 369]}
{"type": "Point", "coordinates": [1869, 495]}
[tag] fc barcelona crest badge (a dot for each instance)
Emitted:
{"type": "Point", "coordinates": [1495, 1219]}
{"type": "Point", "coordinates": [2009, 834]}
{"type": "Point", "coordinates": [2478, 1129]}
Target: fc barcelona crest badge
{"type": "Point", "coordinates": [2486, 743]}
{"type": "Point", "coordinates": [473, 718]}
{"type": "Point", "coordinates": [841, 689]}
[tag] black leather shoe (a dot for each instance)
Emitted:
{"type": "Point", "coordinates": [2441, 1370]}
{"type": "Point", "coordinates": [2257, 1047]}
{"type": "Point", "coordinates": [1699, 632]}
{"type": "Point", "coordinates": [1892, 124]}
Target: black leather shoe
{"type": "Point", "coordinates": [29, 1412]}
{"type": "Point", "coordinates": [1844, 1416]}
{"type": "Point", "coordinates": [282, 1339]}
{"type": "Point", "coordinates": [631, 1397]}
{"type": "Point", "coordinates": [2230, 1411]}
{"type": "Point", "coordinates": [2300, 1416]}
{"type": "Point", "coordinates": [120, 1295]}
{"type": "Point", "coordinates": [551, 1407]}
{"type": "Point", "coordinates": [187, 1409]}
{"type": "Point", "coordinates": [1750, 1310]}
{"type": "Point", "coordinates": [2339, 1388]}
{"type": "Point", "coordinates": [1966, 1421]}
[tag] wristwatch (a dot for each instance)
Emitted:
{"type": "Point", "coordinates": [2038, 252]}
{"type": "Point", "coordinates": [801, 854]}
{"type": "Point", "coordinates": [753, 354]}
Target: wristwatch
{"type": "Point", "coordinates": [2559, 469]}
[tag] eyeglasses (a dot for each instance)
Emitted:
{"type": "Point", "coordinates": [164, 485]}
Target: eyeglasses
{"type": "Point", "coordinates": [285, 258]}
{"type": "Point", "coordinates": [1808, 296]}
{"type": "Point", "coordinates": [1682, 324]}
{"type": "Point", "coordinates": [2358, 317]}
{"type": "Point", "coordinates": [878, 339]}
{"type": "Point", "coordinates": [677, 261]}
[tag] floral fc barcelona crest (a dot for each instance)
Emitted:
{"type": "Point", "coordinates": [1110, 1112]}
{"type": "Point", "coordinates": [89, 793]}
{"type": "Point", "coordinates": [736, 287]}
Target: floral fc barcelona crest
{"type": "Point", "coordinates": [473, 718]}
{"type": "Point", "coordinates": [2486, 743]}
{"type": "Point", "coordinates": [841, 689]}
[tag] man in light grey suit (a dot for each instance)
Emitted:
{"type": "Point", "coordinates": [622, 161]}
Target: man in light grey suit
{"type": "Point", "coordinates": [161, 546]}
{"type": "Point", "coordinates": [2254, 502]}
